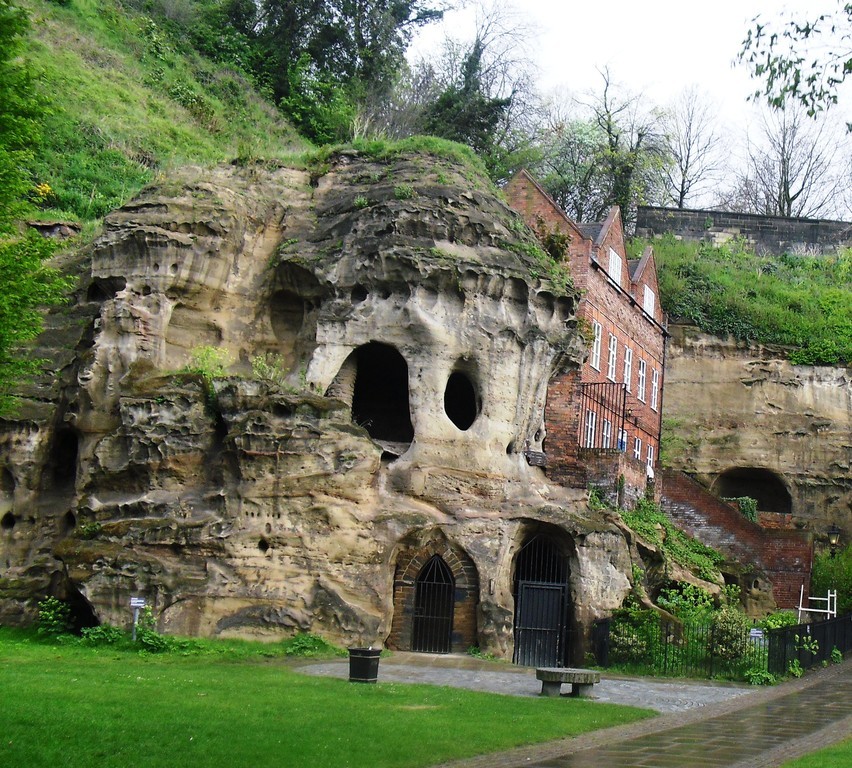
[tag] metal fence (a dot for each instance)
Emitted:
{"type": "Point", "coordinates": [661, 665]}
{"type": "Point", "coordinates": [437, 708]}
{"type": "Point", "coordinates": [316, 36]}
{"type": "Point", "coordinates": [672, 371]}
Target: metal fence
{"type": "Point", "coordinates": [715, 649]}
{"type": "Point", "coordinates": [808, 644]}
{"type": "Point", "coordinates": [680, 649]}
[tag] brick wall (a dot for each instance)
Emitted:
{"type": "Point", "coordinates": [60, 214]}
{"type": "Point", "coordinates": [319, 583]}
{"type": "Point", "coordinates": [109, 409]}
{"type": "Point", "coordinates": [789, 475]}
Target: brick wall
{"type": "Point", "coordinates": [409, 564]}
{"type": "Point", "coordinates": [617, 305]}
{"type": "Point", "coordinates": [784, 556]}
{"type": "Point", "coordinates": [770, 234]}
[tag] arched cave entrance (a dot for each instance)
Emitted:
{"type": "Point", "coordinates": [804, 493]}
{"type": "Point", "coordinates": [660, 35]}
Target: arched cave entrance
{"type": "Point", "coordinates": [82, 614]}
{"type": "Point", "coordinates": [761, 484]}
{"type": "Point", "coordinates": [380, 396]}
{"type": "Point", "coordinates": [542, 601]}
{"type": "Point", "coordinates": [435, 596]}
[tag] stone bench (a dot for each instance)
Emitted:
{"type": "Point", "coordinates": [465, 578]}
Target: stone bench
{"type": "Point", "coordinates": [581, 680]}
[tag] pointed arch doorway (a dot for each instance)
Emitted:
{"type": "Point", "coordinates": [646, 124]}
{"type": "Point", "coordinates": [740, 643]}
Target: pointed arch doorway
{"type": "Point", "coordinates": [434, 598]}
{"type": "Point", "coordinates": [542, 603]}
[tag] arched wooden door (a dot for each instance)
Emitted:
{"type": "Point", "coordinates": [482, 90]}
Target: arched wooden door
{"type": "Point", "coordinates": [542, 604]}
{"type": "Point", "coordinates": [434, 599]}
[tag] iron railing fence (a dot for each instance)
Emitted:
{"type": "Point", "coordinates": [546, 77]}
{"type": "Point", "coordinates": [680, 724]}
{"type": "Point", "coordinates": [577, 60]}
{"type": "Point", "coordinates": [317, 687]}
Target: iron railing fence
{"type": "Point", "coordinates": [809, 644]}
{"type": "Point", "coordinates": [680, 649]}
{"type": "Point", "coordinates": [715, 649]}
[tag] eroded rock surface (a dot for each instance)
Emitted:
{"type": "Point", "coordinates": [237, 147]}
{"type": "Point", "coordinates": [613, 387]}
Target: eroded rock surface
{"type": "Point", "coordinates": [410, 330]}
{"type": "Point", "coordinates": [748, 423]}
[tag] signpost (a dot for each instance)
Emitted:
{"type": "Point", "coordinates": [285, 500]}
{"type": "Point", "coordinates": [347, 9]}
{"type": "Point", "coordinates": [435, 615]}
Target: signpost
{"type": "Point", "coordinates": [136, 603]}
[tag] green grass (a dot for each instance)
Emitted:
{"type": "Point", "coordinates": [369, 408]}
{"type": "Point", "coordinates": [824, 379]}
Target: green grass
{"type": "Point", "coordinates": [67, 705]}
{"type": "Point", "coordinates": [128, 100]}
{"type": "Point", "coordinates": [799, 301]}
{"type": "Point", "coordinates": [837, 756]}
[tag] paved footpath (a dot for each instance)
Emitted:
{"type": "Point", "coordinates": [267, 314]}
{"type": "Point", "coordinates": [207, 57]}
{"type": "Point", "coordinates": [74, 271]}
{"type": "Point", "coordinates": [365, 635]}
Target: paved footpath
{"type": "Point", "coordinates": [710, 725]}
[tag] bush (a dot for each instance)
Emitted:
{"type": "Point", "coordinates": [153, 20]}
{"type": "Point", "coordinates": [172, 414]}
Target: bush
{"type": "Point", "coordinates": [54, 617]}
{"type": "Point", "coordinates": [307, 645]}
{"type": "Point", "coordinates": [834, 573]}
{"type": "Point", "coordinates": [103, 634]}
{"type": "Point", "coordinates": [730, 634]}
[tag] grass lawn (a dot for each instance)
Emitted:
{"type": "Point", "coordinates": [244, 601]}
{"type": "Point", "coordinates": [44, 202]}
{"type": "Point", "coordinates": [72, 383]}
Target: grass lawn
{"type": "Point", "coordinates": [69, 705]}
{"type": "Point", "coordinates": [837, 756]}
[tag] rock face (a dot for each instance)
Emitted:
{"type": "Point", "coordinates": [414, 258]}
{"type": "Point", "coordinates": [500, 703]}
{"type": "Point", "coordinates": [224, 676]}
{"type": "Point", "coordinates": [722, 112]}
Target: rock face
{"type": "Point", "coordinates": [748, 423]}
{"type": "Point", "coordinates": [391, 335]}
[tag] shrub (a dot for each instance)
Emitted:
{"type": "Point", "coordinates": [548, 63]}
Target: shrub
{"type": "Point", "coordinates": [103, 634]}
{"type": "Point", "coordinates": [730, 634]}
{"type": "Point", "coordinates": [686, 601]}
{"type": "Point", "coordinates": [834, 573]}
{"type": "Point", "coordinates": [758, 676]}
{"type": "Point", "coordinates": [308, 644]}
{"type": "Point", "coordinates": [54, 617]}
{"type": "Point", "coordinates": [779, 619]}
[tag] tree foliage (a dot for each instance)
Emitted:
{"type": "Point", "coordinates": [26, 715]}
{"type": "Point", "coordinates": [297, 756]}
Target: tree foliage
{"type": "Point", "coordinates": [802, 59]}
{"type": "Point", "coordinates": [319, 56]}
{"type": "Point", "coordinates": [607, 151]}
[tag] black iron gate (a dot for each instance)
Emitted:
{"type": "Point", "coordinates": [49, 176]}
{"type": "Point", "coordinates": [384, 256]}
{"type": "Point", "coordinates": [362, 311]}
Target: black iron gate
{"type": "Point", "coordinates": [434, 597]}
{"type": "Point", "coordinates": [541, 605]}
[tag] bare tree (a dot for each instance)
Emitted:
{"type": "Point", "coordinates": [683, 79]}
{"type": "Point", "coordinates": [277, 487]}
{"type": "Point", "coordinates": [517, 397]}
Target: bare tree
{"type": "Point", "coordinates": [692, 142]}
{"type": "Point", "coordinates": [635, 149]}
{"type": "Point", "coordinates": [796, 168]}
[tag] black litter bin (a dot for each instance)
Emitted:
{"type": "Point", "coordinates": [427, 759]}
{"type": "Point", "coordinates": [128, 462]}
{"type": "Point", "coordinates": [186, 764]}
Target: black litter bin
{"type": "Point", "coordinates": [363, 665]}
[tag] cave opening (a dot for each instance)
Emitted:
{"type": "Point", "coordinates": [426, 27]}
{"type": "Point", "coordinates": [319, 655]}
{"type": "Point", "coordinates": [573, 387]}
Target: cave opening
{"type": "Point", "coordinates": [380, 400]}
{"type": "Point", "coordinates": [62, 464]}
{"type": "Point", "coordinates": [461, 400]}
{"type": "Point", "coordinates": [763, 485]}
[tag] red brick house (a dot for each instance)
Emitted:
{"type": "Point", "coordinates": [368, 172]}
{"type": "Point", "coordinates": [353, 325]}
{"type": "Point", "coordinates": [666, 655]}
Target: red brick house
{"type": "Point", "coordinates": [603, 422]}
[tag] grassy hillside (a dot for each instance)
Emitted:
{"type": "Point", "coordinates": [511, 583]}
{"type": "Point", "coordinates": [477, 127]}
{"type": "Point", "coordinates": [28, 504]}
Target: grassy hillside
{"type": "Point", "coordinates": [128, 98]}
{"type": "Point", "coordinates": [800, 302]}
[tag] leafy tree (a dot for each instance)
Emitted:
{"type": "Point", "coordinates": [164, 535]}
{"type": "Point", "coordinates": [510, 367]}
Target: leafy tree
{"type": "Point", "coordinates": [464, 112]}
{"type": "Point", "coordinates": [790, 67]}
{"type": "Point", "coordinates": [26, 284]}
{"type": "Point", "coordinates": [20, 108]}
{"type": "Point", "coordinates": [316, 55]}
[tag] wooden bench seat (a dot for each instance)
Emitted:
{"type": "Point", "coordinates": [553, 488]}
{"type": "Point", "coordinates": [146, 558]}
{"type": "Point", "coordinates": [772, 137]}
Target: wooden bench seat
{"type": "Point", "coordinates": [581, 680]}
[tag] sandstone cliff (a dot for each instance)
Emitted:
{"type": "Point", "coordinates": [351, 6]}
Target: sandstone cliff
{"type": "Point", "coordinates": [746, 422]}
{"type": "Point", "coordinates": [411, 329]}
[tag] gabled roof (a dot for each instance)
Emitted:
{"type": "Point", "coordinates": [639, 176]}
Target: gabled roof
{"type": "Point", "coordinates": [553, 204]}
{"type": "Point", "coordinates": [637, 271]}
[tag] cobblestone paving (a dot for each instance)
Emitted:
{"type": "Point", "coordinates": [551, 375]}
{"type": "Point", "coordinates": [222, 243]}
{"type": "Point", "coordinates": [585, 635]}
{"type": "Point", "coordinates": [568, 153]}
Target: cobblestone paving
{"type": "Point", "coordinates": [466, 672]}
{"type": "Point", "coordinates": [718, 726]}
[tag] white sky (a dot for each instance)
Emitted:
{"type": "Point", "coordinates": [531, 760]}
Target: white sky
{"type": "Point", "coordinates": [656, 47]}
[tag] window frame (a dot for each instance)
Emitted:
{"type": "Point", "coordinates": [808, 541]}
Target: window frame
{"type": "Point", "coordinates": [628, 366]}
{"type": "Point", "coordinates": [595, 361]}
{"type": "Point", "coordinates": [615, 266]}
{"type": "Point", "coordinates": [655, 388]}
{"type": "Point", "coordinates": [637, 448]}
{"type": "Point", "coordinates": [649, 301]}
{"type": "Point", "coordinates": [606, 434]}
{"type": "Point", "coordinates": [591, 427]}
{"type": "Point", "coordinates": [612, 361]}
{"type": "Point", "coordinates": [641, 380]}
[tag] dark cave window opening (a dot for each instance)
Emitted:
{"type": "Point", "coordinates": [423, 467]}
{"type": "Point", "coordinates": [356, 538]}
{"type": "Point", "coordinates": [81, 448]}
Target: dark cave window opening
{"type": "Point", "coordinates": [7, 482]}
{"type": "Point", "coordinates": [263, 546]}
{"type": "Point", "coordinates": [8, 521]}
{"type": "Point", "coordinates": [69, 521]}
{"type": "Point", "coordinates": [63, 458]}
{"type": "Point", "coordinates": [461, 401]}
{"type": "Point", "coordinates": [763, 485]}
{"type": "Point", "coordinates": [380, 399]}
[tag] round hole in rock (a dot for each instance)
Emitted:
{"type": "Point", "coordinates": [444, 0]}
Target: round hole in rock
{"type": "Point", "coordinates": [263, 545]}
{"type": "Point", "coordinates": [359, 294]}
{"type": "Point", "coordinates": [461, 402]}
{"type": "Point", "coordinates": [8, 521]}
{"type": "Point", "coordinates": [69, 521]}
{"type": "Point", "coordinates": [7, 481]}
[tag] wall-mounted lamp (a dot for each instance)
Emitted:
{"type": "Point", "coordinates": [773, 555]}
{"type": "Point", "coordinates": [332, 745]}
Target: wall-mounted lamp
{"type": "Point", "coordinates": [833, 538]}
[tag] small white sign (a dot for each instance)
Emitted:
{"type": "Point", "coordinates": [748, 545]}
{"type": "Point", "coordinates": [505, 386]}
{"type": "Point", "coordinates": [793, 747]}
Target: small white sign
{"type": "Point", "coordinates": [137, 602]}
{"type": "Point", "coordinates": [758, 633]}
